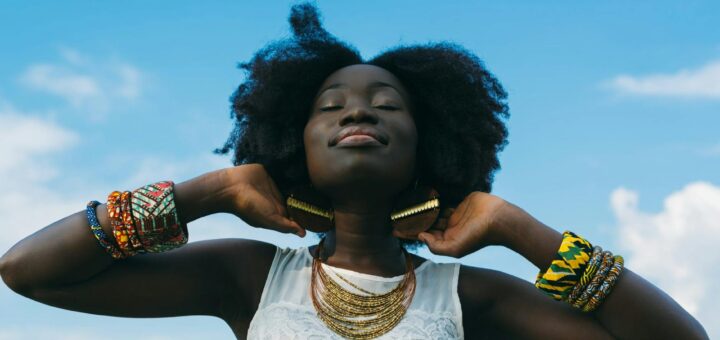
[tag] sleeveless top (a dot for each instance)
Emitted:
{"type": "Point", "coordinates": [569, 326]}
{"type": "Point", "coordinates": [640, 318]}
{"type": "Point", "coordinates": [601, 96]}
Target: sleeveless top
{"type": "Point", "coordinates": [286, 310]}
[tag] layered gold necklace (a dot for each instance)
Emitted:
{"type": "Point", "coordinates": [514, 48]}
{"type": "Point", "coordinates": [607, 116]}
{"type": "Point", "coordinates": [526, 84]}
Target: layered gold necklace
{"type": "Point", "coordinates": [366, 315]}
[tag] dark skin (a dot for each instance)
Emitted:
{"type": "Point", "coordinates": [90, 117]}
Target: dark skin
{"type": "Point", "coordinates": [61, 264]}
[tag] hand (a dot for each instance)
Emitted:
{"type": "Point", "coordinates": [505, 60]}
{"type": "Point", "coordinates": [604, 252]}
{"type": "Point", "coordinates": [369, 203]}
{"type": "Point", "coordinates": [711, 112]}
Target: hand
{"type": "Point", "coordinates": [256, 200]}
{"type": "Point", "coordinates": [472, 225]}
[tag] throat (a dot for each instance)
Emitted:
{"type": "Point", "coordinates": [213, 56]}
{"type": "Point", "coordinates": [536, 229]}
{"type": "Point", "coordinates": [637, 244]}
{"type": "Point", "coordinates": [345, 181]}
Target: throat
{"type": "Point", "coordinates": [389, 260]}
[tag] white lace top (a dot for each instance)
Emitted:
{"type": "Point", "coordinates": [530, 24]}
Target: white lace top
{"type": "Point", "coordinates": [286, 310]}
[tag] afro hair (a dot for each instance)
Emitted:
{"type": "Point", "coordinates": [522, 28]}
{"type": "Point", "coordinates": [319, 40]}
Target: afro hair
{"type": "Point", "coordinates": [458, 107]}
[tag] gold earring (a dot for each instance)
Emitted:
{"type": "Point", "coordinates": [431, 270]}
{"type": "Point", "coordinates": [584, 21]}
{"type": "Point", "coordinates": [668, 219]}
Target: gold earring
{"type": "Point", "coordinates": [416, 211]}
{"type": "Point", "coordinates": [310, 209]}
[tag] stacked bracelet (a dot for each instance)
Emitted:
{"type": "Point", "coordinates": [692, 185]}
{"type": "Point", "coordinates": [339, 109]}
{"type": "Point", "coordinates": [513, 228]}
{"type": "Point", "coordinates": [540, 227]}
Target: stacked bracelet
{"type": "Point", "coordinates": [607, 285]}
{"type": "Point", "coordinates": [143, 221]}
{"type": "Point", "coordinates": [97, 230]}
{"type": "Point", "coordinates": [596, 281]}
{"type": "Point", "coordinates": [587, 276]}
{"type": "Point", "coordinates": [581, 275]}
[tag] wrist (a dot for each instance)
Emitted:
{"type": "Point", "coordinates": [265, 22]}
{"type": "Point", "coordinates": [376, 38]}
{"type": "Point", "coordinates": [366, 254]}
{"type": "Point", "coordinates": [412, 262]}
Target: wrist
{"type": "Point", "coordinates": [508, 229]}
{"type": "Point", "coordinates": [527, 236]}
{"type": "Point", "coordinates": [201, 196]}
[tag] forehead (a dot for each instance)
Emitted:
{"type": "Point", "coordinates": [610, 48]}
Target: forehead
{"type": "Point", "coordinates": [360, 76]}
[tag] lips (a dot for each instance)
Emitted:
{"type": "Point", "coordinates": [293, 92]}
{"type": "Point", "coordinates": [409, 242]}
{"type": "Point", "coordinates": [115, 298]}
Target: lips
{"type": "Point", "coordinates": [359, 130]}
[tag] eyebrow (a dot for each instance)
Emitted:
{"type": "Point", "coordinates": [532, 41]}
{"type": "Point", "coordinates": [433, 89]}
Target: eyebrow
{"type": "Point", "coordinates": [374, 84]}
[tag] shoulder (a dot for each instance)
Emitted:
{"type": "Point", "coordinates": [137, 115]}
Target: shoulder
{"type": "Point", "coordinates": [482, 287]}
{"type": "Point", "coordinates": [476, 288]}
{"type": "Point", "coordinates": [246, 264]}
{"type": "Point", "coordinates": [480, 291]}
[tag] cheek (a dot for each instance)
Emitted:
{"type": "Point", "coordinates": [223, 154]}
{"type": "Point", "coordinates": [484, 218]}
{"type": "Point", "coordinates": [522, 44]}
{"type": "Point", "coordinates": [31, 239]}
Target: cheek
{"type": "Point", "coordinates": [311, 136]}
{"type": "Point", "coordinates": [407, 132]}
{"type": "Point", "coordinates": [315, 143]}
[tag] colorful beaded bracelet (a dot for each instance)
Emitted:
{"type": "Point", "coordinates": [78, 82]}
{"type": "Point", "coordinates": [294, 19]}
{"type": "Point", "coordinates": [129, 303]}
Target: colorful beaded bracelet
{"type": "Point", "coordinates": [590, 271]}
{"type": "Point", "coordinates": [103, 240]}
{"type": "Point", "coordinates": [122, 237]}
{"type": "Point", "coordinates": [581, 274]}
{"type": "Point", "coordinates": [604, 290]}
{"type": "Point", "coordinates": [128, 224]}
{"type": "Point", "coordinates": [597, 280]}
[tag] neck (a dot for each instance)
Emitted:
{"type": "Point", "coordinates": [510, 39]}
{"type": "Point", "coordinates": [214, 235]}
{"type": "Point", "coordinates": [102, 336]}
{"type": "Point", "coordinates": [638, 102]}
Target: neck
{"type": "Point", "coordinates": [362, 241]}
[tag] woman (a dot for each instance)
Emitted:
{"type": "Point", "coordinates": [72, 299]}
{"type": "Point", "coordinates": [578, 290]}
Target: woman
{"type": "Point", "coordinates": [328, 142]}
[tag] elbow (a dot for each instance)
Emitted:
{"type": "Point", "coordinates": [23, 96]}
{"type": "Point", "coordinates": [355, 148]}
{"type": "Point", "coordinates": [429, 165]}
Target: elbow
{"type": "Point", "coordinates": [8, 272]}
{"type": "Point", "coordinates": [699, 332]}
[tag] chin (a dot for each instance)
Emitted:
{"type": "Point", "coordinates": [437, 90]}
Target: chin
{"type": "Point", "coordinates": [361, 184]}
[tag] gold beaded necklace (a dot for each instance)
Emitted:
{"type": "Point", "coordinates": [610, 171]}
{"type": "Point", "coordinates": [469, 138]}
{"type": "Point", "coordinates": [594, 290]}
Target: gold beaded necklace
{"type": "Point", "coordinates": [359, 316]}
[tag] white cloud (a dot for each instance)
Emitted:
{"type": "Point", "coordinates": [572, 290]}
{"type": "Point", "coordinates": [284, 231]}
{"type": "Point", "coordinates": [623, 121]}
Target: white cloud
{"type": "Point", "coordinates": [27, 145]}
{"type": "Point", "coordinates": [28, 202]}
{"type": "Point", "coordinates": [26, 137]}
{"type": "Point", "coordinates": [83, 83]}
{"type": "Point", "coordinates": [703, 82]}
{"type": "Point", "coordinates": [676, 248]}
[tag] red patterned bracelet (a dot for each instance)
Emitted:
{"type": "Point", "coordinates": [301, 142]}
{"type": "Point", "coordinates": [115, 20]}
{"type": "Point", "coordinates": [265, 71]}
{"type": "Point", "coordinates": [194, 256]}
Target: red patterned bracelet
{"type": "Point", "coordinates": [115, 216]}
{"type": "Point", "coordinates": [155, 216]}
{"type": "Point", "coordinates": [126, 216]}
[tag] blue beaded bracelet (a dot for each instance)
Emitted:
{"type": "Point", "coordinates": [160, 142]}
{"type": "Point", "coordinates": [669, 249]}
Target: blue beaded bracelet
{"type": "Point", "coordinates": [103, 241]}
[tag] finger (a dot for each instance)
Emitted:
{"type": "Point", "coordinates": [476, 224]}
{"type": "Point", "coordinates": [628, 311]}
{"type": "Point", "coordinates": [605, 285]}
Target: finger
{"type": "Point", "coordinates": [285, 225]}
{"type": "Point", "coordinates": [461, 214]}
{"type": "Point", "coordinates": [434, 240]}
{"type": "Point", "coordinates": [278, 197]}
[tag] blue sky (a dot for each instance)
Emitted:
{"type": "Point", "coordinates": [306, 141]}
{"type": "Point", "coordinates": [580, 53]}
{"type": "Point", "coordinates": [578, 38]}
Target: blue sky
{"type": "Point", "coordinates": [613, 128]}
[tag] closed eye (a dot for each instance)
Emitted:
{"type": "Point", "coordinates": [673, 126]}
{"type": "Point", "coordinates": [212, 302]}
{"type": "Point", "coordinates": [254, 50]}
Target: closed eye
{"type": "Point", "coordinates": [387, 107]}
{"type": "Point", "coordinates": [330, 108]}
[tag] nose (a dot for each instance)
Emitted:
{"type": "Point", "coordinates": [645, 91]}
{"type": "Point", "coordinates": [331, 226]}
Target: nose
{"type": "Point", "coordinates": [359, 113]}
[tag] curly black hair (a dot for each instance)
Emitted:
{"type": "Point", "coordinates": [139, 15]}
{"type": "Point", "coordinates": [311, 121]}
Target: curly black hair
{"type": "Point", "coordinates": [458, 105]}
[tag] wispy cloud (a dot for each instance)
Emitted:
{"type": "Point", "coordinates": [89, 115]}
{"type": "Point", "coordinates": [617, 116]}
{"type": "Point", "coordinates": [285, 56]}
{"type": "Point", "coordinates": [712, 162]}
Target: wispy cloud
{"type": "Point", "coordinates": [702, 82]}
{"type": "Point", "coordinates": [84, 83]}
{"type": "Point", "coordinates": [675, 247]}
{"type": "Point", "coordinates": [28, 144]}
{"type": "Point", "coordinates": [25, 139]}
{"type": "Point", "coordinates": [710, 151]}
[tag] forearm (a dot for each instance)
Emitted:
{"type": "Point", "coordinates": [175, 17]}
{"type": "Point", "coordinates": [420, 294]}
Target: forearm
{"type": "Point", "coordinates": [634, 309]}
{"type": "Point", "coordinates": [67, 252]}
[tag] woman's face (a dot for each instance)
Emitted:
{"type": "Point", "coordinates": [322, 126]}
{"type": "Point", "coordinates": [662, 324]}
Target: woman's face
{"type": "Point", "coordinates": [361, 99]}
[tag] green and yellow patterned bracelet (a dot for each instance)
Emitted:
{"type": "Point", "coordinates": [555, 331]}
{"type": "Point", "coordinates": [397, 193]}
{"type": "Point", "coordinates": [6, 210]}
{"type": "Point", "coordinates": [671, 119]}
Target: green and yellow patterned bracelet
{"type": "Point", "coordinates": [565, 271]}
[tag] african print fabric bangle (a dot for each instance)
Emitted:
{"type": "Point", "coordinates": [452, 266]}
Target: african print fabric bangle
{"type": "Point", "coordinates": [97, 230]}
{"type": "Point", "coordinates": [604, 290]}
{"type": "Point", "coordinates": [156, 220]}
{"type": "Point", "coordinates": [121, 231]}
{"type": "Point", "coordinates": [565, 271]}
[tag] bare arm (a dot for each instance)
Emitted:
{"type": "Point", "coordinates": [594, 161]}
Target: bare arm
{"type": "Point", "coordinates": [634, 309]}
{"type": "Point", "coordinates": [62, 264]}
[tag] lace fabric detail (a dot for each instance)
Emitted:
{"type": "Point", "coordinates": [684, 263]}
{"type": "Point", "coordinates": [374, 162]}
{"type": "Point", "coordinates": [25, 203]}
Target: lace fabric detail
{"type": "Point", "coordinates": [283, 320]}
{"type": "Point", "coordinates": [286, 310]}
